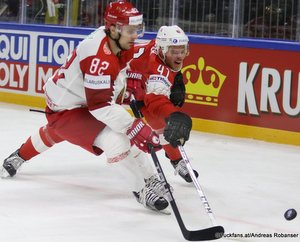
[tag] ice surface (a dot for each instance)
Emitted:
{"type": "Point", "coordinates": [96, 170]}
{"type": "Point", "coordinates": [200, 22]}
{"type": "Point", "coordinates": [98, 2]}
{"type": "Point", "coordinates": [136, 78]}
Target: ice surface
{"type": "Point", "coordinates": [69, 195]}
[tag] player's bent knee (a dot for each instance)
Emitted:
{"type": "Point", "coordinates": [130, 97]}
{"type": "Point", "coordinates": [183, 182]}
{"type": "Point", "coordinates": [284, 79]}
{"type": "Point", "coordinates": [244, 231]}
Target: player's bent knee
{"type": "Point", "coordinates": [115, 145]}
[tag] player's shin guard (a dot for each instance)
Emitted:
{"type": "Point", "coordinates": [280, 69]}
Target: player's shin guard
{"type": "Point", "coordinates": [34, 145]}
{"type": "Point", "coordinates": [37, 143]}
{"type": "Point", "coordinates": [147, 189]}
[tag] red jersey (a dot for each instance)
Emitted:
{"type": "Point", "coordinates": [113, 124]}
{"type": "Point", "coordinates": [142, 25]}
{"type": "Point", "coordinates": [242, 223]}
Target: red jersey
{"type": "Point", "coordinates": [157, 79]}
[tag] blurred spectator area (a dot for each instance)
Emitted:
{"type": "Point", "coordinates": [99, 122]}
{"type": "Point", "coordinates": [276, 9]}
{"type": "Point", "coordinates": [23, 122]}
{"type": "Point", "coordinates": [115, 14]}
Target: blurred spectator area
{"type": "Point", "coordinates": [271, 19]}
{"type": "Point", "coordinates": [9, 10]}
{"type": "Point", "coordinates": [265, 19]}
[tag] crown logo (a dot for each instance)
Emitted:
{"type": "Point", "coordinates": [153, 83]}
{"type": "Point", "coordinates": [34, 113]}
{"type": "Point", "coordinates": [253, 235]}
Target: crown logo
{"type": "Point", "coordinates": [204, 90]}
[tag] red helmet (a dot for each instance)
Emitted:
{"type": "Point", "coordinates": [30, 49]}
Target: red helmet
{"type": "Point", "coordinates": [122, 13]}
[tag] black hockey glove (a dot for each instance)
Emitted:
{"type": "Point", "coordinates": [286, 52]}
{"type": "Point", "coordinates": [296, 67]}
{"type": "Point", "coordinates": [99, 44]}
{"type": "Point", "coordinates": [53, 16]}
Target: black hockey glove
{"type": "Point", "coordinates": [178, 128]}
{"type": "Point", "coordinates": [177, 95]}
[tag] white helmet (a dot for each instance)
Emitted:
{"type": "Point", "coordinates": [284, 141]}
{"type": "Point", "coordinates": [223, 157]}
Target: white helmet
{"type": "Point", "coordinates": [170, 36]}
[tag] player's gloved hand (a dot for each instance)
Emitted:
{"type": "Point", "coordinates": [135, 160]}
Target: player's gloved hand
{"type": "Point", "coordinates": [129, 92]}
{"type": "Point", "coordinates": [134, 88]}
{"type": "Point", "coordinates": [142, 135]}
{"type": "Point", "coordinates": [178, 128]}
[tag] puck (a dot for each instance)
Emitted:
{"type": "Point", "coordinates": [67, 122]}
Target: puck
{"type": "Point", "coordinates": [290, 214]}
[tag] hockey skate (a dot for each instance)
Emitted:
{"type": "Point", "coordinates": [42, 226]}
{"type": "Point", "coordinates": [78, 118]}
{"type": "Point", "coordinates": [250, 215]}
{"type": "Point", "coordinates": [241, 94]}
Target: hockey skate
{"type": "Point", "coordinates": [180, 168]}
{"type": "Point", "coordinates": [152, 195]}
{"type": "Point", "coordinates": [11, 165]}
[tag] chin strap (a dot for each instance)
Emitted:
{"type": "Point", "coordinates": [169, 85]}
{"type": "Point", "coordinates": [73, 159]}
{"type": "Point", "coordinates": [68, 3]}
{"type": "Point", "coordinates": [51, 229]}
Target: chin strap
{"type": "Point", "coordinates": [116, 40]}
{"type": "Point", "coordinates": [162, 56]}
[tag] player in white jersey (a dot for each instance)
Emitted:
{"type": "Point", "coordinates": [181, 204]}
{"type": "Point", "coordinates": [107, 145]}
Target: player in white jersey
{"type": "Point", "coordinates": [82, 109]}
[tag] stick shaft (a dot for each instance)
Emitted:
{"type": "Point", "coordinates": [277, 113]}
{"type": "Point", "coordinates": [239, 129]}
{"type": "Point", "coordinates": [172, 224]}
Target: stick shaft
{"type": "Point", "coordinates": [197, 185]}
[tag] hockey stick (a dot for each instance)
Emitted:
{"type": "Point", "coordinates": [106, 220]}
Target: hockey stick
{"type": "Point", "coordinates": [211, 233]}
{"type": "Point", "coordinates": [36, 110]}
{"type": "Point", "coordinates": [197, 185]}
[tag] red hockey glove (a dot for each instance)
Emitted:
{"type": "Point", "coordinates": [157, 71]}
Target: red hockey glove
{"type": "Point", "coordinates": [142, 135]}
{"type": "Point", "coordinates": [134, 88]}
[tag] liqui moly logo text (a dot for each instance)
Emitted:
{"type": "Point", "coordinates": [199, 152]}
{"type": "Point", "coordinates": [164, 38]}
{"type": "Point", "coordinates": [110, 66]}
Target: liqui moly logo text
{"type": "Point", "coordinates": [14, 57]}
{"type": "Point", "coordinates": [14, 47]}
{"type": "Point", "coordinates": [52, 53]}
{"type": "Point", "coordinates": [55, 50]}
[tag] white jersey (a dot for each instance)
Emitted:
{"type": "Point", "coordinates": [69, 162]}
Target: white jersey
{"type": "Point", "coordinates": [88, 78]}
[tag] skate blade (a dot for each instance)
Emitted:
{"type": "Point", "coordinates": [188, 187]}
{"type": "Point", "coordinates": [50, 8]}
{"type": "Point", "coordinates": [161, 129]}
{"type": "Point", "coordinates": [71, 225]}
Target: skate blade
{"type": "Point", "coordinates": [165, 211]}
{"type": "Point", "coordinates": [4, 174]}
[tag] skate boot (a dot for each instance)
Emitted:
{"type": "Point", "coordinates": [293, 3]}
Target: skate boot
{"type": "Point", "coordinates": [181, 169]}
{"type": "Point", "coordinates": [157, 185]}
{"type": "Point", "coordinates": [152, 195]}
{"type": "Point", "coordinates": [11, 164]}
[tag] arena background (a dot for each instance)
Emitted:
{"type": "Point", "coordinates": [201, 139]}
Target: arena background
{"type": "Point", "coordinates": [242, 76]}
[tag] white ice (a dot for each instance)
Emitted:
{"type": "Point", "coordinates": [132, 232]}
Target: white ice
{"type": "Point", "coordinates": [69, 195]}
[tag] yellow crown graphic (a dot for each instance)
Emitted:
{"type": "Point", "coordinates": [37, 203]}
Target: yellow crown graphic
{"type": "Point", "coordinates": [201, 91]}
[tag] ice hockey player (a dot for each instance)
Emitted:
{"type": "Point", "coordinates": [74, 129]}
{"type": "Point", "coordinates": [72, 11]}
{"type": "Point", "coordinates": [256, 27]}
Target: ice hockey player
{"type": "Point", "coordinates": [81, 107]}
{"type": "Point", "coordinates": [156, 83]}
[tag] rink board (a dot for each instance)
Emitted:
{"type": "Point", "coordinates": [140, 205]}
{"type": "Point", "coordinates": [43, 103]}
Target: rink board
{"type": "Point", "coordinates": [210, 126]}
{"type": "Point", "coordinates": [237, 87]}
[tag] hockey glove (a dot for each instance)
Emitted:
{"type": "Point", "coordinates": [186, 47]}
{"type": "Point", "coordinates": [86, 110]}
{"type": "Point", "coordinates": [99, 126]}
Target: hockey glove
{"type": "Point", "coordinates": [178, 128]}
{"type": "Point", "coordinates": [134, 88]}
{"type": "Point", "coordinates": [142, 135]}
{"type": "Point", "coordinates": [177, 95]}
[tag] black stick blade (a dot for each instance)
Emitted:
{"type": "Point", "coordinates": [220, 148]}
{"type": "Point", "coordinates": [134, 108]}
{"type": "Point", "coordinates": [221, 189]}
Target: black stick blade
{"type": "Point", "coordinates": [210, 233]}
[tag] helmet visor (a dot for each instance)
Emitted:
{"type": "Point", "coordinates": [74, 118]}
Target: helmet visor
{"type": "Point", "coordinates": [178, 50]}
{"type": "Point", "coordinates": [131, 30]}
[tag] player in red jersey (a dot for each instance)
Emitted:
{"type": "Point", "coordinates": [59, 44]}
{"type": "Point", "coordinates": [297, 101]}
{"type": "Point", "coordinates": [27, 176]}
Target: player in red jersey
{"type": "Point", "coordinates": [156, 83]}
{"type": "Point", "coordinates": [81, 106]}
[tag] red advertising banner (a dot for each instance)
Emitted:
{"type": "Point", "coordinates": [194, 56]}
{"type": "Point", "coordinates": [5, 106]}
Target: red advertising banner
{"type": "Point", "coordinates": [257, 87]}
{"type": "Point", "coordinates": [230, 82]}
